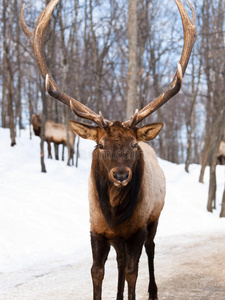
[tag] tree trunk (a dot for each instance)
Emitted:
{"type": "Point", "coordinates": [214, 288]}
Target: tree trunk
{"type": "Point", "coordinates": [18, 104]}
{"type": "Point", "coordinates": [43, 120]}
{"type": "Point", "coordinates": [193, 105]}
{"type": "Point", "coordinates": [10, 99]}
{"type": "Point", "coordinates": [77, 151]}
{"type": "Point", "coordinates": [95, 59]}
{"type": "Point", "coordinates": [4, 64]}
{"type": "Point", "coordinates": [67, 136]}
{"type": "Point", "coordinates": [7, 48]}
{"type": "Point", "coordinates": [65, 84]}
{"type": "Point", "coordinates": [29, 102]}
{"type": "Point", "coordinates": [217, 132]}
{"type": "Point", "coordinates": [11, 114]}
{"type": "Point", "coordinates": [211, 204]}
{"type": "Point", "coordinates": [98, 59]}
{"type": "Point", "coordinates": [222, 213]}
{"type": "Point", "coordinates": [132, 60]}
{"type": "Point", "coordinates": [206, 32]}
{"type": "Point", "coordinates": [142, 37]}
{"type": "Point", "coordinates": [77, 65]}
{"type": "Point", "coordinates": [10, 105]}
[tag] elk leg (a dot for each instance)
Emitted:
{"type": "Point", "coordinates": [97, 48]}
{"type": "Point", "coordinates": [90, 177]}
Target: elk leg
{"type": "Point", "coordinates": [100, 249]}
{"type": "Point", "coordinates": [69, 157]}
{"type": "Point", "coordinates": [49, 150]}
{"type": "Point", "coordinates": [63, 146]}
{"type": "Point", "coordinates": [150, 250]}
{"type": "Point", "coordinates": [56, 146]}
{"type": "Point", "coordinates": [133, 252]}
{"type": "Point", "coordinates": [119, 246]}
{"type": "Point", "coordinates": [72, 156]}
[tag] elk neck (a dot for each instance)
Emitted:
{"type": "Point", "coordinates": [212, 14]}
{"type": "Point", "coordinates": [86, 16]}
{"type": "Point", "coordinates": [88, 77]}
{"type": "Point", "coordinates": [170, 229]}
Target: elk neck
{"type": "Point", "coordinates": [117, 203]}
{"type": "Point", "coordinates": [37, 131]}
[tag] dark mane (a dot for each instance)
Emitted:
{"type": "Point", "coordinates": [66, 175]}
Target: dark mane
{"type": "Point", "coordinates": [126, 197]}
{"type": "Point", "coordinates": [37, 131]}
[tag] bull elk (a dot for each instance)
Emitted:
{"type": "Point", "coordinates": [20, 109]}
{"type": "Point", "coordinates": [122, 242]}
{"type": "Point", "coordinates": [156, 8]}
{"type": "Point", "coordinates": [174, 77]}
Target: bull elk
{"type": "Point", "coordinates": [126, 185]}
{"type": "Point", "coordinates": [54, 133]}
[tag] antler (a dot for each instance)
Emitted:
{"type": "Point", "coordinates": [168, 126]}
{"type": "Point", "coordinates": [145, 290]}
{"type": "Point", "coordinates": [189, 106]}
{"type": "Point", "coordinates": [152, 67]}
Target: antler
{"type": "Point", "coordinates": [37, 42]}
{"type": "Point", "coordinates": [190, 36]}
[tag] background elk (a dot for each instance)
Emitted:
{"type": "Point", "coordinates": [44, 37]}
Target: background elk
{"type": "Point", "coordinates": [221, 153]}
{"type": "Point", "coordinates": [126, 186]}
{"type": "Point", "coordinates": [54, 133]}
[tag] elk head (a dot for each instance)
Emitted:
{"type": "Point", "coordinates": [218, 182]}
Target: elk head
{"type": "Point", "coordinates": [36, 122]}
{"type": "Point", "coordinates": [117, 146]}
{"type": "Point", "coordinates": [117, 142]}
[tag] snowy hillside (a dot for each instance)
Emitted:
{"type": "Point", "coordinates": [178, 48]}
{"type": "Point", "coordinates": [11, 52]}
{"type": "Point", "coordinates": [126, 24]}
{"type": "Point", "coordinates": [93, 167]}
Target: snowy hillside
{"type": "Point", "coordinates": [44, 218]}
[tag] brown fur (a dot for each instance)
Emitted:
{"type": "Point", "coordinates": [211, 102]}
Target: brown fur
{"type": "Point", "coordinates": [148, 210]}
{"type": "Point", "coordinates": [126, 196]}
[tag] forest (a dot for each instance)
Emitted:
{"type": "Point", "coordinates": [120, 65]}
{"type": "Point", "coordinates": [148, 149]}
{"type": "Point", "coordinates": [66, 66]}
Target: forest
{"type": "Point", "coordinates": [87, 48]}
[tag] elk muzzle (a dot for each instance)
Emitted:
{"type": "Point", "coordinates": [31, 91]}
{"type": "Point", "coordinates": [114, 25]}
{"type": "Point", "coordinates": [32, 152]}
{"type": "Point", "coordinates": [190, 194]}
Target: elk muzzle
{"type": "Point", "coordinates": [120, 176]}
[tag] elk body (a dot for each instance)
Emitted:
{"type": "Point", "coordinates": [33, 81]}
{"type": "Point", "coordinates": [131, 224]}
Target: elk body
{"type": "Point", "coordinates": [54, 133]}
{"type": "Point", "coordinates": [221, 153]}
{"type": "Point", "coordinates": [126, 185]}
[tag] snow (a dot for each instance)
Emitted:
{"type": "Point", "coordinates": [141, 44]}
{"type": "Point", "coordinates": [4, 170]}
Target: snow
{"type": "Point", "coordinates": [44, 217]}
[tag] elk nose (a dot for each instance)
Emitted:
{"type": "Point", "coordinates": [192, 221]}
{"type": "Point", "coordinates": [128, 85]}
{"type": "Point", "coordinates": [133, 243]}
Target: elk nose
{"type": "Point", "coordinates": [119, 176]}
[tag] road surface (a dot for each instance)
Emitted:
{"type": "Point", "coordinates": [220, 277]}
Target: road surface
{"type": "Point", "coordinates": [186, 268]}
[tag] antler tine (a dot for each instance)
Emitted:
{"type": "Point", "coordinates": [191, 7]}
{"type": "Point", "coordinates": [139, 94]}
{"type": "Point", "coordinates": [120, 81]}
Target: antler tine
{"type": "Point", "coordinates": [97, 119]}
{"type": "Point", "coordinates": [37, 42]}
{"type": "Point", "coordinates": [190, 36]}
{"type": "Point", "coordinates": [23, 24]}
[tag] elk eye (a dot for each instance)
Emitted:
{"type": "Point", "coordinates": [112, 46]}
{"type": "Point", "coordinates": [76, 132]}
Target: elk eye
{"type": "Point", "coordinates": [100, 146]}
{"type": "Point", "coordinates": [134, 145]}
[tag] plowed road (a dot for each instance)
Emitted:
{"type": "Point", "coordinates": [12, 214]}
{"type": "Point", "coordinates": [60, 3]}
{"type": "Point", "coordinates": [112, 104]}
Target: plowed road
{"type": "Point", "coordinates": [186, 268]}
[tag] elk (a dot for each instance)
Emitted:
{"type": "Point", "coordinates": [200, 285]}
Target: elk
{"type": "Point", "coordinates": [221, 153]}
{"type": "Point", "coordinates": [54, 133]}
{"type": "Point", "coordinates": [126, 184]}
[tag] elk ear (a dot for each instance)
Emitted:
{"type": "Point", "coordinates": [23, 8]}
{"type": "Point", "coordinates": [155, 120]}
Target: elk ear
{"type": "Point", "coordinates": [85, 131]}
{"type": "Point", "coordinates": [148, 132]}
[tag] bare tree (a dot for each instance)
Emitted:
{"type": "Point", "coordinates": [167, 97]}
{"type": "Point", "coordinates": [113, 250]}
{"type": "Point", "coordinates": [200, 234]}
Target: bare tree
{"type": "Point", "coordinates": [4, 35]}
{"type": "Point", "coordinates": [132, 60]}
{"type": "Point", "coordinates": [214, 62]}
{"type": "Point", "coordinates": [19, 75]}
{"type": "Point", "coordinates": [43, 120]}
{"type": "Point", "coordinates": [222, 213]}
{"type": "Point", "coordinates": [195, 90]}
{"type": "Point", "coordinates": [7, 47]}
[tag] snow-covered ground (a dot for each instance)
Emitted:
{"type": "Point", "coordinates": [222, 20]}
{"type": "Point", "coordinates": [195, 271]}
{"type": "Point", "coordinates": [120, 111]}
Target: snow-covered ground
{"type": "Point", "coordinates": [44, 218]}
